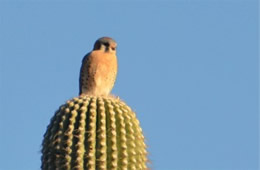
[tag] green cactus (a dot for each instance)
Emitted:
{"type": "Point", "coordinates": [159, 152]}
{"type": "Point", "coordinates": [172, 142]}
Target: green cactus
{"type": "Point", "coordinates": [90, 132]}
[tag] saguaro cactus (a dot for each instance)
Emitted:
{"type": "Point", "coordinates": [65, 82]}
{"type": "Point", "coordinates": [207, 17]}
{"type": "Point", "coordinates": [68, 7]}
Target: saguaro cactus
{"type": "Point", "coordinates": [90, 132]}
{"type": "Point", "coordinates": [95, 130]}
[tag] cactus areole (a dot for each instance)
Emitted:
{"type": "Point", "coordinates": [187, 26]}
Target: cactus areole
{"type": "Point", "coordinates": [90, 132]}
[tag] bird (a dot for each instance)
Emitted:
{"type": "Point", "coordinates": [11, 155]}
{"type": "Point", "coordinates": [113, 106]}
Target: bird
{"type": "Point", "coordinates": [99, 68]}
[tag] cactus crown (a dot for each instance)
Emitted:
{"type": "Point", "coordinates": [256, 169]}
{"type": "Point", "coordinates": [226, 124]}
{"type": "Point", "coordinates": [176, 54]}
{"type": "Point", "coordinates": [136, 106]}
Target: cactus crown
{"type": "Point", "coordinates": [90, 132]}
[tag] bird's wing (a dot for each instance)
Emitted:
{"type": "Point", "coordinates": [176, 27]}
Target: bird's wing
{"type": "Point", "coordinates": [84, 73]}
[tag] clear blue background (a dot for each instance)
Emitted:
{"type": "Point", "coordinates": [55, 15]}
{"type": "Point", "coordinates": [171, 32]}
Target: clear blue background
{"type": "Point", "coordinates": [188, 68]}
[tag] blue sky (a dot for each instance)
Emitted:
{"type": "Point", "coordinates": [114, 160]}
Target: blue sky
{"type": "Point", "coordinates": [188, 68]}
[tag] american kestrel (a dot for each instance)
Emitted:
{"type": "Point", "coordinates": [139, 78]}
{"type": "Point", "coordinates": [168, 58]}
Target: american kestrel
{"type": "Point", "coordinates": [99, 68]}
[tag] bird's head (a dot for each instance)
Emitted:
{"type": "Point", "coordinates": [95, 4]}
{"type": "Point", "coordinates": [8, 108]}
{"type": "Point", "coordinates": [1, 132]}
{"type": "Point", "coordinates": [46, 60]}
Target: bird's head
{"type": "Point", "coordinates": [106, 44]}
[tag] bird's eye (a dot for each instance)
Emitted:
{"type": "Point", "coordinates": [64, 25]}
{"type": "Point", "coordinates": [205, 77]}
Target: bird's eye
{"type": "Point", "coordinates": [106, 44]}
{"type": "Point", "coordinates": [113, 48]}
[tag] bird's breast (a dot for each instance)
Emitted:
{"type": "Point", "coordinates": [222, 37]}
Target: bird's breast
{"type": "Point", "coordinates": [104, 71]}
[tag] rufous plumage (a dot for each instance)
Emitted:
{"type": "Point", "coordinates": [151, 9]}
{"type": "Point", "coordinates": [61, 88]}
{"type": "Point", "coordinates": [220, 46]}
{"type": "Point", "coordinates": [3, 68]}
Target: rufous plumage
{"type": "Point", "coordinates": [99, 68]}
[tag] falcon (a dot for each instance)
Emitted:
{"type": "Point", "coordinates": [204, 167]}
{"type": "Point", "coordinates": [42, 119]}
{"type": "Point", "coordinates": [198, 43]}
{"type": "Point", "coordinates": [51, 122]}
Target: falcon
{"type": "Point", "coordinates": [99, 68]}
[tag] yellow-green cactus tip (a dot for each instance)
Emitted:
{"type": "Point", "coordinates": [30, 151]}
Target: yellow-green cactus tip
{"type": "Point", "coordinates": [90, 132]}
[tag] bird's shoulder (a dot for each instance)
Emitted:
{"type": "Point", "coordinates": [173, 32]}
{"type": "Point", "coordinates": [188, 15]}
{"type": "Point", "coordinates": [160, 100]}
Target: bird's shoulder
{"type": "Point", "coordinates": [86, 57]}
{"type": "Point", "coordinates": [93, 54]}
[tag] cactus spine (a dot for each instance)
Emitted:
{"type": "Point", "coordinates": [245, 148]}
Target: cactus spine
{"type": "Point", "coordinates": [90, 132]}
